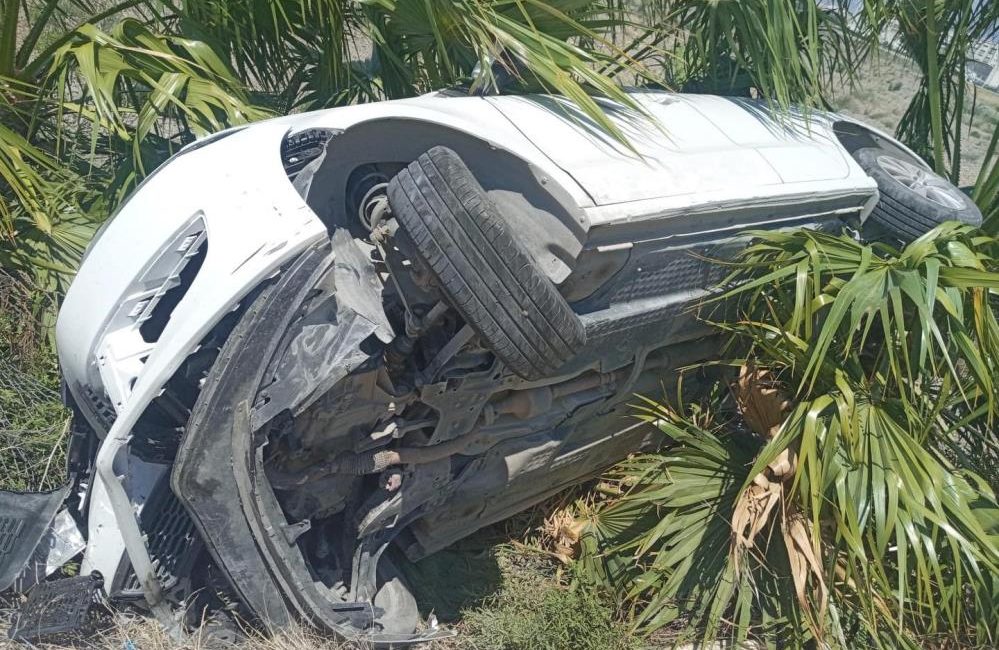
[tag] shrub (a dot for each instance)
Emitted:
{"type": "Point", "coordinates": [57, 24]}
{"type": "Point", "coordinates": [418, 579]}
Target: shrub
{"type": "Point", "coordinates": [32, 418]}
{"type": "Point", "coordinates": [535, 612]}
{"type": "Point", "coordinates": [829, 495]}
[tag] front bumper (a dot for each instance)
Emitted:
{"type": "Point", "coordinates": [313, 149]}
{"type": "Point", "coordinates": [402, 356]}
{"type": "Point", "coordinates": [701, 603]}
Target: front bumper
{"type": "Point", "coordinates": [235, 196]}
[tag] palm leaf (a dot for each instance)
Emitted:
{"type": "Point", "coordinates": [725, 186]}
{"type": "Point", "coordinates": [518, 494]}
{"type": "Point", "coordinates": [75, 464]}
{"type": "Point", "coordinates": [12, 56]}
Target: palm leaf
{"type": "Point", "coordinates": [986, 192]}
{"type": "Point", "coordinates": [135, 79]}
{"type": "Point", "coordinates": [891, 358]}
{"type": "Point", "coordinates": [936, 35]}
{"type": "Point", "coordinates": [782, 51]}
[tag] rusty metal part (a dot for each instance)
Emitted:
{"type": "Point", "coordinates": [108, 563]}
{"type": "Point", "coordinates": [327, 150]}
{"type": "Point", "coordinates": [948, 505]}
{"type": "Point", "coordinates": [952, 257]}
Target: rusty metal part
{"type": "Point", "coordinates": [397, 353]}
{"type": "Point", "coordinates": [520, 405]}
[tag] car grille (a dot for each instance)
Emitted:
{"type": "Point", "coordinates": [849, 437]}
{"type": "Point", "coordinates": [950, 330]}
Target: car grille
{"type": "Point", "coordinates": [172, 541]}
{"type": "Point", "coordinates": [100, 407]}
{"type": "Point", "coordinates": [670, 274]}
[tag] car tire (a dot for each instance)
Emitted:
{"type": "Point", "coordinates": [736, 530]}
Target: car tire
{"type": "Point", "coordinates": [484, 273]}
{"type": "Point", "coordinates": [914, 200]}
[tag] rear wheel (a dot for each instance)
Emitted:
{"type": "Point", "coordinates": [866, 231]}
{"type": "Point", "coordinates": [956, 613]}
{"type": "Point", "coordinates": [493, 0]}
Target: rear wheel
{"type": "Point", "coordinates": [481, 269]}
{"type": "Point", "coordinates": [914, 200]}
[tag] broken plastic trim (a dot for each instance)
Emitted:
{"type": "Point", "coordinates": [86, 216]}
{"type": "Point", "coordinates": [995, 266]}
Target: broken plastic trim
{"type": "Point", "coordinates": [131, 534]}
{"type": "Point", "coordinates": [24, 518]}
{"type": "Point", "coordinates": [58, 607]}
{"type": "Point", "coordinates": [124, 514]}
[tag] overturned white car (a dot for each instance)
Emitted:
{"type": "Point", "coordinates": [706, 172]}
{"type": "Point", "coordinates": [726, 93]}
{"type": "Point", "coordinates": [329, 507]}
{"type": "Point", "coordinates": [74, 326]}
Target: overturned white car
{"type": "Point", "coordinates": [309, 351]}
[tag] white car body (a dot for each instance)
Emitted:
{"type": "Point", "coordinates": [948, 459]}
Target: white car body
{"type": "Point", "coordinates": [701, 155]}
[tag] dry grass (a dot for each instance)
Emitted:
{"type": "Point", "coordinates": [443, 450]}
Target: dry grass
{"type": "Point", "coordinates": [130, 632]}
{"type": "Point", "coordinates": [499, 589]}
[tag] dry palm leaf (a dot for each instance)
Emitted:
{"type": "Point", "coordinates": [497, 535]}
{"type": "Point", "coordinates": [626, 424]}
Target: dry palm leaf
{"type": "Point", "coordinates": [763, 406]}
{"type": "Point", "coordinates": [561, 531]}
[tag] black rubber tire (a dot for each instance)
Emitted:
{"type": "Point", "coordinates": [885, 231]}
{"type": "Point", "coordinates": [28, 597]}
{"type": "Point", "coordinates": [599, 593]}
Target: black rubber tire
{"type": "Point", "coordinates": [483, 271]}
{"type": "Point", "coordinates": [902, 213]}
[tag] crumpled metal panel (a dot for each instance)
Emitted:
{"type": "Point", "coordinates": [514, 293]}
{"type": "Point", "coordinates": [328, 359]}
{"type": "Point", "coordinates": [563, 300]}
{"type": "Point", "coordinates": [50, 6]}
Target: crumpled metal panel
{"type": "Point", "coordinates": [327, 346]}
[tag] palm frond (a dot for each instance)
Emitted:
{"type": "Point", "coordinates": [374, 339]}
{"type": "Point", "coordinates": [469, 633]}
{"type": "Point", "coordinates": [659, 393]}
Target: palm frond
{"type": "Point", "coordinates": [140, 84]}
{"type": "Point", "coordinates": [936, 35]}
{"type": "Point", "coordinates": [986, 192]}
{"type": "Point", "coordinates": [328, 52]}
{"type": "Point", "coordinates": [926, 308]}
{"type": "Point", "coordinates": [889, 357]}
{"type": "Point", "coordinates": [22, 168]}
{"type": "Point", "coordinates": [48, 256]}
{"type": "Point", "coordinates": [86, 110]}
{"type": "Point", "coordinates": [783, 51]}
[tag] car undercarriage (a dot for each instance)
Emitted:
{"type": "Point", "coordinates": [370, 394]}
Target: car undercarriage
{"type": "Point", "coordinates": [379, 420]}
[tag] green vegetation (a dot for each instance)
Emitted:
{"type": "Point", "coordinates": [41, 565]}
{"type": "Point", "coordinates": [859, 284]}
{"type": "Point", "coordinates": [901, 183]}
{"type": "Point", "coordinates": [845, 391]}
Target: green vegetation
{"type": "Point", "coordinates": [33, 442]}
{"type": "Point", "coordinates": [840, 489]}
{"type": "Point", "coordinates": [84, 114]}
{"type": "Point", "coordinates": [505, 589]}
{"type": "Point", "coordinates": [936, 36]}
{"type": "Point", "coordinates": [785, 51]}
{"type": "Point", "coordinates": [33, 421]}
{"type": "Point", "coordinates": [534, 611]}
{"type": "Point", "coordinates": [94, 95]}
{"type": "Point", "coordinates": [986, 193]}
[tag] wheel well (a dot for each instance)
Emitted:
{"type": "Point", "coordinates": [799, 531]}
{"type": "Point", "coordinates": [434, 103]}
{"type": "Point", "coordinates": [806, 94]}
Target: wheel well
{"type": "Point", "coordinates": [546, 218]}
{"type": "Point", "coordinates": [854, 136]}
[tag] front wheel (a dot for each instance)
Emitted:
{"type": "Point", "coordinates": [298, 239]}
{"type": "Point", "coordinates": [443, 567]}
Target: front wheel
{"type": "Point", "coordinates": [914, 200]}
{"type": "Point", "coordinates": [486, 275]}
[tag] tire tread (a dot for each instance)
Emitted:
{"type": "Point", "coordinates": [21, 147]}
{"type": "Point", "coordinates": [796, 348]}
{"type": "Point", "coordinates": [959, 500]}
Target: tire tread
{"type": "Point", "coordinates": [484, 272]}
{"type": "Point", "coordinates": [901, 212]}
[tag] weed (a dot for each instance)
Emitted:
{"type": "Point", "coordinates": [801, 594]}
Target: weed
{"type": "Point", "coordinates": [535, 612]}
{"type": "Point", "coordinates": [32, 418]}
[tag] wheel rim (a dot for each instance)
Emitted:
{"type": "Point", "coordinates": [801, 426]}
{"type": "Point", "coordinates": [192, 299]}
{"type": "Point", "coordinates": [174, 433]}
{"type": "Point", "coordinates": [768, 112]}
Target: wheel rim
{"type": "Point", "coordinates": [922, 182]}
